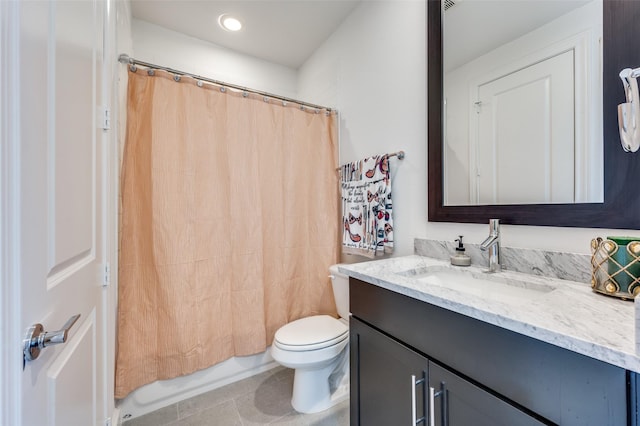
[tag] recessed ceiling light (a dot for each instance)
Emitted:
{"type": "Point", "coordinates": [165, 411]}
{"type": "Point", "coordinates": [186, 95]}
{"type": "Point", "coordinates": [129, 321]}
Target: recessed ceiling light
{"type": "Point", "coordinates": [229, 23]}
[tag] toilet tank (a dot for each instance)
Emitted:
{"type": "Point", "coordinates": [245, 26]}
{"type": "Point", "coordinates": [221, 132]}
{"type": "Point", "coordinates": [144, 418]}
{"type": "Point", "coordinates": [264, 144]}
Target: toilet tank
{"type": "Point", "coordinates": [340, 283]}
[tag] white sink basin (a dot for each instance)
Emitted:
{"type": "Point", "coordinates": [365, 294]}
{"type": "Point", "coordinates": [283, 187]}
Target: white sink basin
{"type": "Point", "coordinates": [497, 285]}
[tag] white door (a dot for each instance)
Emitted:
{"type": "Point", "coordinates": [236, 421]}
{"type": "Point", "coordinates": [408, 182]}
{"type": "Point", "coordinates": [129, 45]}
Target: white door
{"type": "Point", "coordinates": [62, 207]}
{"type": "Point", "coordinates": [525, 140]}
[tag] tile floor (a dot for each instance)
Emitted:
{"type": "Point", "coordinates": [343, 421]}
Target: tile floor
{"type": "Point", "coordinates": [264, 399]}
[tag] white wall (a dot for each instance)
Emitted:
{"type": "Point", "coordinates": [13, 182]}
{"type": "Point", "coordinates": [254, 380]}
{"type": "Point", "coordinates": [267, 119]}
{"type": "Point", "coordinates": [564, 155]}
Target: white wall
{"type": "Point", "coordinates": [161, 46]}
{"type": "Point", "coordinates": [373, 70]}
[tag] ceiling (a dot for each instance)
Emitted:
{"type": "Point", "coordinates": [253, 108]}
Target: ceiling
{"type": "Point", "coordinates": [285, 32]}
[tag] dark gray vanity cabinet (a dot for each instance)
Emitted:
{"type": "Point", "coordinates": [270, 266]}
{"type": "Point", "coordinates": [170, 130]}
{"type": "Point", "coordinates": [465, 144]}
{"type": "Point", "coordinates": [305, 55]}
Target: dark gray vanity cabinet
{"type": "Point", "coordinates": [392, 385]}
{"type": "Point", "coordinates": [384, 389]}
{"type": "Point", "coordinates": [481, 374]}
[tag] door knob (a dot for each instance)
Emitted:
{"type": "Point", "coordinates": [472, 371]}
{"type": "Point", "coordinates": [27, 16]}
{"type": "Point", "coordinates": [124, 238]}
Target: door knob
{"type": "Point", "coordinates": [38, 339]}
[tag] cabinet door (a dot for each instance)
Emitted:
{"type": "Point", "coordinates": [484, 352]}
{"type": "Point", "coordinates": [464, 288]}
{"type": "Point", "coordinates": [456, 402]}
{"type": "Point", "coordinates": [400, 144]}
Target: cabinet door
{"type": "Point", "coordinates": [458, 402]}
{"type": "Point", "coordinates": [388, 380]}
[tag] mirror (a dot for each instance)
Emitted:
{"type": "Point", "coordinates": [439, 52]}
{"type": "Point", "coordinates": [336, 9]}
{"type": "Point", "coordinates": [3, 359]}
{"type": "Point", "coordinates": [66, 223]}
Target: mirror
{"type": "Point", "coordinates": [522, 103]}
{"type": "Point", "coordinates": [620, 207]}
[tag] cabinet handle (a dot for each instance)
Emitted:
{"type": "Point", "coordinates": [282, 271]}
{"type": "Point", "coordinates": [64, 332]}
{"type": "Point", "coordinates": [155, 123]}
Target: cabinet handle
{"type": "Point", "coordinates": [445, 404]}
{"type": "Point", "coordinates": [432, 405]}
{"type": "Point", "coordinates": [414, 412]}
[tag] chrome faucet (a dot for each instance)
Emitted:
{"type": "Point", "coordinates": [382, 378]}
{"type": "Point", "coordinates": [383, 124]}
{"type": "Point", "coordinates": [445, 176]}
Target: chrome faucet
{"type": "Point", "coordinates": [492, 243]}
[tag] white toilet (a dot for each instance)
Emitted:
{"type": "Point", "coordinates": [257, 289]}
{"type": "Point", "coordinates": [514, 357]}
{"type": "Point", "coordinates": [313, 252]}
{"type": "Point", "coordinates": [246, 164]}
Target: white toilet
{"type": "Point", "coordinates": [317, 348]}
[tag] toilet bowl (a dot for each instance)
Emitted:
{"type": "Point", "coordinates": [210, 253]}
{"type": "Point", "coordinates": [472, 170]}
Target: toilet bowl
{"type": "Point", "coordinates": [317, 348]}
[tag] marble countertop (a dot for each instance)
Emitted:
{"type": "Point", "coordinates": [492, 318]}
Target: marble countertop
{"type": "Point", "coordinates": [571, 316]}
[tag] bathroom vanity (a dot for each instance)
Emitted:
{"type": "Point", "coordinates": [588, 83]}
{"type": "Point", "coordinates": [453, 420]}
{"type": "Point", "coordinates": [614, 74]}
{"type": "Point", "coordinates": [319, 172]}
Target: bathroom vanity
{"type": "Point", "coordinates": [427, 353]}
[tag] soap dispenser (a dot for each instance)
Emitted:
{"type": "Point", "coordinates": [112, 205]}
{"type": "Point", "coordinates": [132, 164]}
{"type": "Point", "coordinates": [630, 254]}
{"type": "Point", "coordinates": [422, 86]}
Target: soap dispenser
{"type": "Point", "coordinates": [460, 258]}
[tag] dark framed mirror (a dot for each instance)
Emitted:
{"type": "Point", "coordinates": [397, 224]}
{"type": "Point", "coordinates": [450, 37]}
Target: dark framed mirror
{"type": "Point", "coordinates": [621, 206]}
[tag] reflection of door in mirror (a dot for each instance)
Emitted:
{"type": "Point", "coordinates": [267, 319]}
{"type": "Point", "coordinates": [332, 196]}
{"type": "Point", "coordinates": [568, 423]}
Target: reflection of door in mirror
{"type": "Point", "coordinates": [523, 112]}
{"type": "Point", "coordinates": [524, 141]}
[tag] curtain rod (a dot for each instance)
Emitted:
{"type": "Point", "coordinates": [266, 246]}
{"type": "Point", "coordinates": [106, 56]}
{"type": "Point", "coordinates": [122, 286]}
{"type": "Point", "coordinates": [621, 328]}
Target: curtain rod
{"type": "Point", "coordinates": [399, 154]}
{"type": "Point", "coordinates": [126, 59]}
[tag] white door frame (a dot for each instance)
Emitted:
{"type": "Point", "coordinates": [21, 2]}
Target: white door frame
{"type": "Point", "coordinates": [11, 354]}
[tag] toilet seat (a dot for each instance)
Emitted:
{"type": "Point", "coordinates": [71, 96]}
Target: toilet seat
{"type": "Point", "coordinates": [311, 333]}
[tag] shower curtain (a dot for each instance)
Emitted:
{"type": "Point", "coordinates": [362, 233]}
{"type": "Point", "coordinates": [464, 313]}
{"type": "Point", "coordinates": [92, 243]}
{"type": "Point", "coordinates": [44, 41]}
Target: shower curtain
{"type": "Point", "coordinates": [229, 221]}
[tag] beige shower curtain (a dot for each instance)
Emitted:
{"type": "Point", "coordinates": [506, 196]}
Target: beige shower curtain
{"type": "Point", "coordinates": [229, 221]}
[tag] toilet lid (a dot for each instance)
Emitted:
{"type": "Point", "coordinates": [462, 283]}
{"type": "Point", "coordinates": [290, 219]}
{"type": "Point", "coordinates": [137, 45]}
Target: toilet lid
{"type": "Point", "coordinates": [311, 333]}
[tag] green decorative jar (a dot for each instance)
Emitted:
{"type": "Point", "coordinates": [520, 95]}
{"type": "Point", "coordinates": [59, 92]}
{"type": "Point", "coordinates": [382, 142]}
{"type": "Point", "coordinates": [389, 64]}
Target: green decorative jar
{"type": "Point", "coordinates": [616, 266]}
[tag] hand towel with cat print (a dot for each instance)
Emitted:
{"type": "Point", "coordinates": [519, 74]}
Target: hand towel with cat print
{"type": "Point", "coordinates": [367, 207]}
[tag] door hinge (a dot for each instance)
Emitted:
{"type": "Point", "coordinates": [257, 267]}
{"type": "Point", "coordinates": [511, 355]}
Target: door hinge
{"type": "Point", "coordinates": [478, 107]}
{"type": "Point", "coordinates": [104, 118]}
{"type": "Point", "coordinates": [106, 277]}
